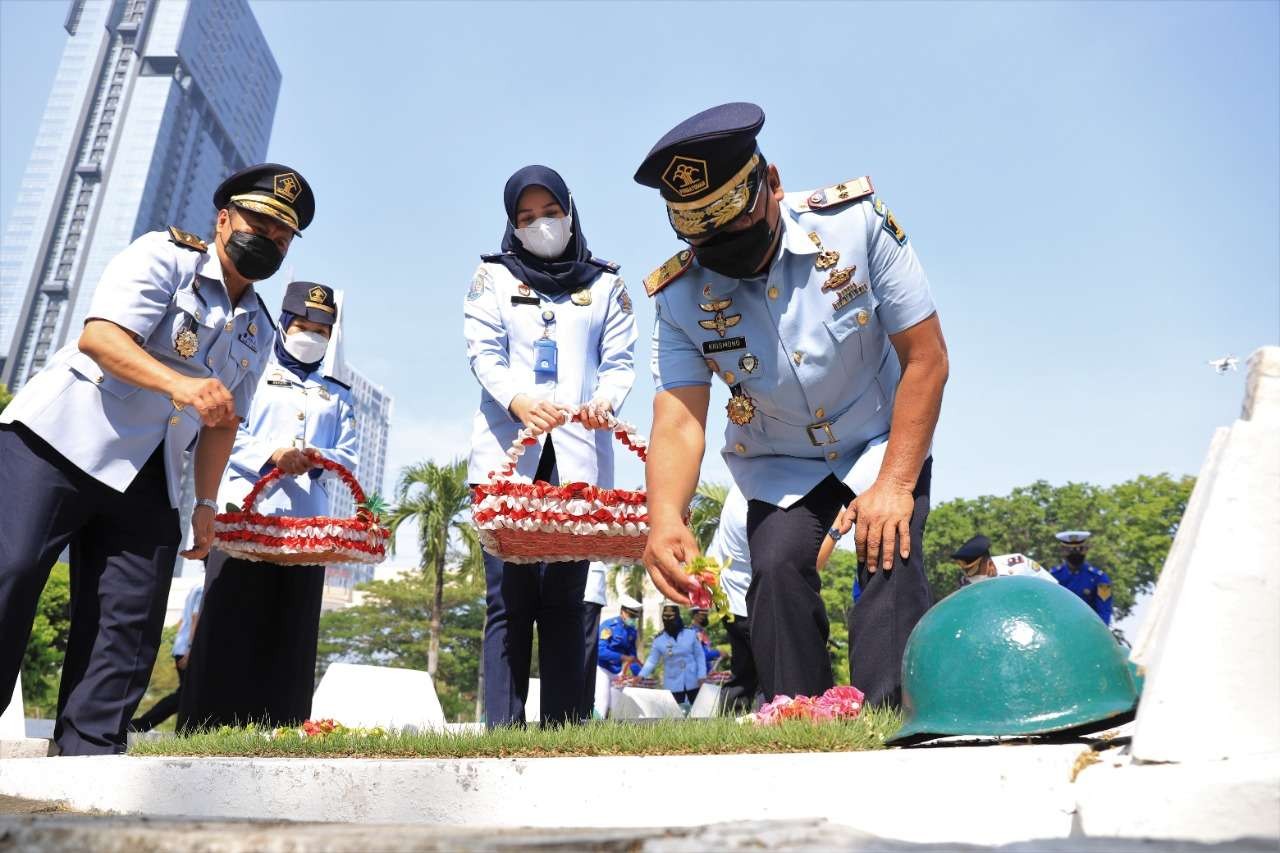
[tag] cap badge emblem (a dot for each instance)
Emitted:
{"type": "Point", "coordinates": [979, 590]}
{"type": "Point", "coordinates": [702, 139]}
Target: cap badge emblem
{"type": "Point", "coordinates": [686, 175]}
{"type": "Point", "coordinates": [287, 186]}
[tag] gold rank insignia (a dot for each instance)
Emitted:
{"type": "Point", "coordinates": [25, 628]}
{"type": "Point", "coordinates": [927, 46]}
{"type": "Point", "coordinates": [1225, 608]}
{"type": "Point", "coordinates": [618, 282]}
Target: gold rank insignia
{"type": "Point", "coordinates": [841, 193]}
{"type": "Point", "coordinates": [741, 409]}
{"type": "Point", "coordinates": [838, 279]}
{"type": "Point", "coordinates": [715, 306]}
{"type": "Point", "coordinates": [581, 297]}
{"type": "Point", "coordinates": [672, 269]}
{"type": "Point", "coordinates": [187, 239]}
{"type": "Point", "coordinates": [187, 343]}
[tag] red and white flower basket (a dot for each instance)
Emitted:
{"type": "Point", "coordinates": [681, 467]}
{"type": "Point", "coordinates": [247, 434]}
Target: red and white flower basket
{"type": "Point", "coordinates": [249, 535]}
{"type": "Point", "coordinates": [534, 522]}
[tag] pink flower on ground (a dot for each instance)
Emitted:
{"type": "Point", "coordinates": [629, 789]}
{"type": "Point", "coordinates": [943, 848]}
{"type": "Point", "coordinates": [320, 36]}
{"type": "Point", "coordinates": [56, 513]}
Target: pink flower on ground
{"type": "Point", "coordinates": [838, 703]}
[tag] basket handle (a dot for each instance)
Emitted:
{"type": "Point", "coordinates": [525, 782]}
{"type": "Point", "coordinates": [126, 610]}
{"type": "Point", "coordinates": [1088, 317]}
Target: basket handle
{"type": "Point", "coordinates": [276, 473]}
{"type": "Point", "coordinates": [625, 433]}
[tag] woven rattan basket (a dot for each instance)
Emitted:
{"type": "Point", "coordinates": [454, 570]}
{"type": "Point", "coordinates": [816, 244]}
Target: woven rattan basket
{"type": "Point", "coordinates": [249, 535]}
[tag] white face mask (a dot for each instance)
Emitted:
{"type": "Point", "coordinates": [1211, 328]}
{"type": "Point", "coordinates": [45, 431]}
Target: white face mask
{"type": "Point", "coordinates": [307, 347]}
{"type": "Point", "coordinates": [546, 237]}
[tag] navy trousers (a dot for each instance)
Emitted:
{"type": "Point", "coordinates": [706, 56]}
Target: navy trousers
{"type": "Point", "coordinates": [123, 548]}
{"type": "Point", "coordinates": [518, 597]}
{"type": "Point", "coordinates": [740, 692]}
{"type": "Point", "coordinates": [789, 625]}
{"type": "Point", "coordinates": [591, 650]}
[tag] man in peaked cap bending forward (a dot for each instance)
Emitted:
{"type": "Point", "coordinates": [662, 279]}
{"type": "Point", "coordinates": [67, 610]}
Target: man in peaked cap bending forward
{"type": "Point", "coordinates": [813, 309]}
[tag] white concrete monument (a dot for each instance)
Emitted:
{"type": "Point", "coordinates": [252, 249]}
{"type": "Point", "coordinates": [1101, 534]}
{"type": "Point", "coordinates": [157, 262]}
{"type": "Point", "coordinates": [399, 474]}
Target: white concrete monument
{"type": "Point", "coordinates": [645, 703]}
{"type": "Point", "coordinates": [367, 696]}
{"type": "Point", "coordinates": [707, 703]}
{"type": "Point", "coordinates": [13, 725]}
{"type": "Point", "coordinates": [533, 704]}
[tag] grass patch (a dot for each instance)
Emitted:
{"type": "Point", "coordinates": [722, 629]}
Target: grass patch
{"type": "Point", "coordinates": [667, 737]}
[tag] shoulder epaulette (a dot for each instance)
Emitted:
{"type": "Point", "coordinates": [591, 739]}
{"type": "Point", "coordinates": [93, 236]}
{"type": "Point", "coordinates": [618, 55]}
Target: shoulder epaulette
{"type": "Point", "coordinates": [338, 382]}
{"type": "Point", "coordinates": [265, 312]}
{"type": "Point", "coordinates": [842, 193]}
{"type": "Point", "coordinates": [187, 240]}
{"type": "Point", "coordinates": [607, 266]}
{"type": "Point", "coordinates": [494, 258]}
{"type": "Point", "coordinates": [675, 266]}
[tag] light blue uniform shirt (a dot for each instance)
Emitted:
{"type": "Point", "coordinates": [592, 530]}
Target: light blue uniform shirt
{"type": "Point", "coordinates": [595, 346]}
{"type": "Point", "coordinates": [157, 290]}
{"type": "Point", "coordinates": [683, 661]}
{"type": "Point", "coordinates": [318, 413]}
{"type": "Point", "coordinates": [818, 365]}
{"type": "Point", "coordinates": [182, 639]}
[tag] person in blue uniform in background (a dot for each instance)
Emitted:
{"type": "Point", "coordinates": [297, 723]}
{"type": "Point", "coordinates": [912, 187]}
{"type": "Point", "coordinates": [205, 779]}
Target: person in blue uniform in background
{"type": "Point", "coordinates": [699, 619]}
{"type": "Point", "coordinates": [815, 312]}
{"type": "Point", "coordinates": [91, 449]}
{"type": "Point", "coordinates": [617, 646]}
{"type": "Point", "coordinates": [1087, 581]}
{"type": "Point", "coordinates": [549, 328]}
{"type": "Point", "coordinates": [254, 657]}
{"type": "Point", "coordinates": [679, 650]}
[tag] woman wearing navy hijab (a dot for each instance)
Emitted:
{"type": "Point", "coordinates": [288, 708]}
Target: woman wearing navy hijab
{"type": "Point", "coordinates": [548, 327]}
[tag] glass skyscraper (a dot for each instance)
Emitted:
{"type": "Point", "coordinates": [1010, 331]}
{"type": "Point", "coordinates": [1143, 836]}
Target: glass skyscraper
{"type": "Point", "coordinates": [154, 103]}
{"type": "Point", "coordinates": [373, 425]}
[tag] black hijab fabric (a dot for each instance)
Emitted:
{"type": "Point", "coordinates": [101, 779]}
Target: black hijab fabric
{"type": "Point", "coordinates": [571, 271]}
{"type": "Point", "coordinates": [300, 369]}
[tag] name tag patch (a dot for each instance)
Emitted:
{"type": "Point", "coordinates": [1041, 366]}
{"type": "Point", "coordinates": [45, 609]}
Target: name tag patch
{"type": "Point", "coordinates": [711, 347]}
{"type": "Point", "coordinates": [524, 300]}
{"type": "Point", "coordinates": [248, 340]}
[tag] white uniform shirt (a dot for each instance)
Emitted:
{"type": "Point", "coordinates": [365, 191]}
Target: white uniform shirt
{"type": "Point", "coordinates": [729, 545]}
{"type": "Point", "coordinates": [317, 412]}
{"type": "Point", "coordinates": [596, 361]}
{"type": "Point", "coordinates": [159, 291]}
{"type": "Point", "coordinates": [595, 591]}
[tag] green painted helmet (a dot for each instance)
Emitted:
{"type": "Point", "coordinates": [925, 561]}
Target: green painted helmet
{"type": "Point", "coordinates": [1012, 656]}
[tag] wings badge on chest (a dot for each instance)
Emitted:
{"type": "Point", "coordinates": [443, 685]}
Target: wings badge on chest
{"type": "Point", "coordinates": [719, 323]}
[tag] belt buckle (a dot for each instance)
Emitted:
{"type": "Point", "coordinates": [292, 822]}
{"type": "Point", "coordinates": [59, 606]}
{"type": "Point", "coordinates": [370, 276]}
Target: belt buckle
{"type": "Point", "coordinates": [821, 430]}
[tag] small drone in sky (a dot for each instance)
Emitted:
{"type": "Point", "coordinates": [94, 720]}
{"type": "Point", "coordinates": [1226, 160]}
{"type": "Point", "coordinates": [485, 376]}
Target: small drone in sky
{"type": "Point", "coordinates": [1222, 365]}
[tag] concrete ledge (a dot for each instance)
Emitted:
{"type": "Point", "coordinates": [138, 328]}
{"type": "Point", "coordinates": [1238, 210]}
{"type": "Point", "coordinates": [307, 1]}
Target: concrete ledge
{"type": "Point", "coordinates": [1200, 800]}
{"type": "Point", "coordinates": [26, 747]}
{"type": "Point", "coordinates": [981, 795]}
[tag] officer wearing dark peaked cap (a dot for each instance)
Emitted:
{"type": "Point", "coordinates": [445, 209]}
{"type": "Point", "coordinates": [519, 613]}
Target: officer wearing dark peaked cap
{"type": "Point", "coordinates": [91, 449]}
{"type": "Point", "coordinates": [813, 309]}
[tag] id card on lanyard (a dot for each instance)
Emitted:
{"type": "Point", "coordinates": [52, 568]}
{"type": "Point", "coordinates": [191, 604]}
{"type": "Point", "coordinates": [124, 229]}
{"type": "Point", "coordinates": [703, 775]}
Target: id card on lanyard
{"type": "Point", "coordinates": [544, 349]}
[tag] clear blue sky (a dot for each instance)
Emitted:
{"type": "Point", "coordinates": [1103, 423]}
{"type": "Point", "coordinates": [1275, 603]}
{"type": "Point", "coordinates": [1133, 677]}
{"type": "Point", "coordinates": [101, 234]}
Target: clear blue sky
{"type": "Point", "coordinates": [1094, 189]}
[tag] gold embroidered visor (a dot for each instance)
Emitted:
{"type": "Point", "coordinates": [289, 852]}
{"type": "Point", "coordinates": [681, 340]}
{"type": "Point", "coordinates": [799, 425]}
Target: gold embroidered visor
{"type": "Point", "coordinates": [269, 206]}
{"type": "Point", "coordinates": [712, 212]}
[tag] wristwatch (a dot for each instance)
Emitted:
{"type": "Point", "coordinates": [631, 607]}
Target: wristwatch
{"type": "Point", "coordinates": [209, 502]}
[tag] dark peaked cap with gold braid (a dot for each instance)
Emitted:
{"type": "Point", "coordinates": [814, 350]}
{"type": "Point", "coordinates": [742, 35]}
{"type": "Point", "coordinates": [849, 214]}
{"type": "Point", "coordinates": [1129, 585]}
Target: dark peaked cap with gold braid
{"type": "Point", "coordinates": [272, 190]}
{"type": "Point", "coordinates": [704, 165]}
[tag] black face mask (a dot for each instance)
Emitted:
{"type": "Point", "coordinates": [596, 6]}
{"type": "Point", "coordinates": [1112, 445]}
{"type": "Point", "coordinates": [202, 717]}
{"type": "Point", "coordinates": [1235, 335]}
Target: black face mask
{"type": "Point", "coordinates": [1076, 560]}
{"type": "Point", "coordinates": [254, 257]}
{"type": "Point", "coordinates": [739, 254]}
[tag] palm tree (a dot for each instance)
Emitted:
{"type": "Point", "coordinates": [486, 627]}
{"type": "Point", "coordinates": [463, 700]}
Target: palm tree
{"type": "Point", "coordinates": [435, 496]}
{"type": "Point", "coordinates": [704, 513]}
